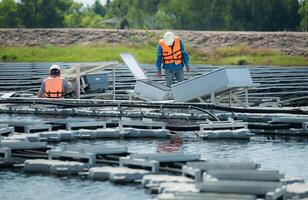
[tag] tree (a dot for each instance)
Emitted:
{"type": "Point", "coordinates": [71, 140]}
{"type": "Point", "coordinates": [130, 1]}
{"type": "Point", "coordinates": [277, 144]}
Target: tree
{"type": "Point", "coordinates": [118, 8]}
{"type": "Point", "coordinates": [141, 14]}
{"type": "Point", "coordinates": [98, 8]}
{"type": "Point", "coordinates": [303, 12]}
{"type": "Point", "coordinates": [236, 15]}
{"type": "Point", "coordinates": [8, 14]}
{"type": "Point", "coordinates": [82, 17]}
{"type": "Point", "coordinates": [293, 17]}
{"type": "Point", "coordinates": [174, 14]}
{"type": "Point", "coordinates": [73, 18]}
{"type": "Point", "coordinates": [43, 13]}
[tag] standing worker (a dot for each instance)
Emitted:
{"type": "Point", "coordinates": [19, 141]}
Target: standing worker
{"type": "Point", "coordinates": [172, 55]}
{"type": "Point", "coordinates": [55, 86]}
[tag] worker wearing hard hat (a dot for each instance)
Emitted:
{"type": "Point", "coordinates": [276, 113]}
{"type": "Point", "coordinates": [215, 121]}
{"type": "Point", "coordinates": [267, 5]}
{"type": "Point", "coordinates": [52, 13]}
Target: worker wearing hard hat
{"type": "Point", "coordinates": [55, 86]}
{"type": "Point", "coordinates": [172, 56]}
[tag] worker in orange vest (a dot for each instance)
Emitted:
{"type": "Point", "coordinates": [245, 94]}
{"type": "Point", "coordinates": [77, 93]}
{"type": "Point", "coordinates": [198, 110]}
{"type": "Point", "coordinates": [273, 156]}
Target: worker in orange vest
{"type": "Point", "coordinates": [55, 86]}
{"type": "Point", "coordinates": [172, 56]}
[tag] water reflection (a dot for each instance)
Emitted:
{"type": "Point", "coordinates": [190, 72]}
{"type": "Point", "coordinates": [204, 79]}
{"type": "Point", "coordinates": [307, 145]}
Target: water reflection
{"type": "Point", "coordinates": [172, 145]}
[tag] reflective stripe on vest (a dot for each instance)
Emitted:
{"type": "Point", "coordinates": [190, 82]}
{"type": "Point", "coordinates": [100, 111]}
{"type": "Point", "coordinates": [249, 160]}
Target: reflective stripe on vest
{"type": "Point", "coordinates": [172, 55]}
{"type": "Point", "coordinates": [53, 87]}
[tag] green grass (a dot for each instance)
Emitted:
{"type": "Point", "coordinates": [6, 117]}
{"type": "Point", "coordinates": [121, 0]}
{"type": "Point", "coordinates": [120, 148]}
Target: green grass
{"type": "Point", "coordinates": [244, 55]}
{"type": "Point", "coordinates": [240, 54]}
{"type": "Point", "coordinates": [73, 53]}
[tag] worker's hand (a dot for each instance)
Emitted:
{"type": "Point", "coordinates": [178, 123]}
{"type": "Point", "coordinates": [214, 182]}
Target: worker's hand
{"type": "Point", "coordinates": [187, 69]}
{"type": "Point", "coordinates": [158, 74]}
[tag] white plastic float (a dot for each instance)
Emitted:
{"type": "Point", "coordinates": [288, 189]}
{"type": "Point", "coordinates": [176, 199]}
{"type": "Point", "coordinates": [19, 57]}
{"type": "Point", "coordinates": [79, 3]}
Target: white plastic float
{"type": "Point", "coordinates": [56, 167]}
{"type": "Point", "coordinates": [116, 174]}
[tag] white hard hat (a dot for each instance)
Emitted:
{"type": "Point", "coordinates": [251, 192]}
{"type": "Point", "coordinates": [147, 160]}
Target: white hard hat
{"type": "Point", "coordinates": [169, 38]}
{"type": "Point", "coordinates": [54, 67]}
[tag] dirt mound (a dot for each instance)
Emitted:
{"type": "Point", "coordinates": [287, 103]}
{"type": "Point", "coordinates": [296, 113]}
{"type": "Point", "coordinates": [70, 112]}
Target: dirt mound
{"type": "Point", "coordinates": [292, 43]}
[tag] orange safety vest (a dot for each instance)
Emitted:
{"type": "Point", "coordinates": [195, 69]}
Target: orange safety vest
{"type": "Point", "coordinates": [53, 87]}
{"type": "Point", "coordinates": [172, 55]}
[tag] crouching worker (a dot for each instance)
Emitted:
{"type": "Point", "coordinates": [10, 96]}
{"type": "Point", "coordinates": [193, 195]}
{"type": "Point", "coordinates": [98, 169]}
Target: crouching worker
{"type": "Point", "coordinates": [55, 86]}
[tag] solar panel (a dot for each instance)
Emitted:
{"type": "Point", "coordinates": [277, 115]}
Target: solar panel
{"type": "Point", "coordinates": [133, 66]}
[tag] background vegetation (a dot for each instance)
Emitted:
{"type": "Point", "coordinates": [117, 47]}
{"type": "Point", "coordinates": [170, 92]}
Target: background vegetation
{"type": "Point", "coordinates": [235, 15]}
{"type": "Point", "coordinates": [212, 15]}
{"type": "Point", "coordinates": [237, 55]}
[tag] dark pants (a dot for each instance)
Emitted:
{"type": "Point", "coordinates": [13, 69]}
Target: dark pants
{"type": "Point", "coordinates": [178, 74]}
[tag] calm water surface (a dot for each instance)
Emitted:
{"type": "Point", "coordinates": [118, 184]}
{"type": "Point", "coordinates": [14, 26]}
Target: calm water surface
{"type": "Point", "coordinates": [14, 185]}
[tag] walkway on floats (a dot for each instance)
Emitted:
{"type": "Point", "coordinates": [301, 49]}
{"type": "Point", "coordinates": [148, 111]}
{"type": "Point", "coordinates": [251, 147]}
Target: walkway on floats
{"type": "Point", "coordinates": [284, 85]}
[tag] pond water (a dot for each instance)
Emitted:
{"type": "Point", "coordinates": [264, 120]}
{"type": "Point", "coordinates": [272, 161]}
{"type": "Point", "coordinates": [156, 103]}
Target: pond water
{"type": "Point", "coordinates": [286, 155]}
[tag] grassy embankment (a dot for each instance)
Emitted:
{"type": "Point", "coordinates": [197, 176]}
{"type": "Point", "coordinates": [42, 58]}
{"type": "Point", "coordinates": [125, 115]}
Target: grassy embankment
{"type": "Point", "coordinates": [146, 54]}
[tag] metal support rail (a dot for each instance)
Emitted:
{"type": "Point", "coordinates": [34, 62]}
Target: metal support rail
{"type": "Point", "coordinates": [73, 103]}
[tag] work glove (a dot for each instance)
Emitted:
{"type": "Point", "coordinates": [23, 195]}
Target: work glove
{"type": "Point", "coordinates": [158, 74]}
{"type": "Point", "coordinates": [187, 69]}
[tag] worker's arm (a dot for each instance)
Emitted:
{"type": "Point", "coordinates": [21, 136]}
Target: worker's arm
{"type": "Point", "coordinates": [41, 91]}
{"type": "Point", "coordinates": [185, 56]}
{"type": "Point", "coordinates": [159, 60]}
